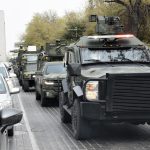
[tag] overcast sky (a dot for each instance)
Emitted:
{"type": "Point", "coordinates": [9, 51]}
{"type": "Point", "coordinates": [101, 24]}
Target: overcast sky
{"type": "Point", "coordinates": [18, 14]}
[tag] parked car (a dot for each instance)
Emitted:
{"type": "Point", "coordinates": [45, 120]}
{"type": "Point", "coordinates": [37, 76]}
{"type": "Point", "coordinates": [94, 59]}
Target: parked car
{"type": "Point", "coordinates": [47, 81]}
{"type": "Point", "coordinates": [8, 65]}
{"type": "Point", "coordinates": [4, 69]}
{"type": "Point", "coordinates": [5, 100]}
{"type": "Point", "coordinates": [7, 75]}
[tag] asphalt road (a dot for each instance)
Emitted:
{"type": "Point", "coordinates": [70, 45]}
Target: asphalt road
{"type": "Point", "coordinates": [41, 129]}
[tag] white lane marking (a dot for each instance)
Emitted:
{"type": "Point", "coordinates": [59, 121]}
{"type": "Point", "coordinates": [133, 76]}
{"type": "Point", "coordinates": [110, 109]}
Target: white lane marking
{"type": "Point", "coordinates": [31, 136]}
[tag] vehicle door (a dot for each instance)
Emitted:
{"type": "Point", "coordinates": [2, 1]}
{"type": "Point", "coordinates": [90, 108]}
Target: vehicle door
{"type": "Point", "coordinates": [39, 78]}
{"type": "Point", "coordinates": [70, 79]}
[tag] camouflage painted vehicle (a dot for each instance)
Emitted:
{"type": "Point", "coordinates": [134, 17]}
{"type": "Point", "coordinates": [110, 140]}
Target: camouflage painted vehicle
{"type": "Point", "coordinates": [108, 80]}
{"type": "Point", "coordinates": [27, 70]}
{"type": "Point", "coordinates": [52, 52]}
{"type": "Point", "coordinates": [48, 81]}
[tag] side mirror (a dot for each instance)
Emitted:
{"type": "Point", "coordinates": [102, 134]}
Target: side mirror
{"type": "Point", "coordinates": [9, 68]}
{"type": "Point", "coordinates": [38, 73]}
{"type": "Point", "coordinates": [14, 90]}
{"type": "Point", "coordinates": [74, 69]}
{"type": "Point", "coordinates": [10, 117]}
{"type": "Point", "coordinates": [21, 68]}
{"type": "Point", "coordinates": [12, 75]}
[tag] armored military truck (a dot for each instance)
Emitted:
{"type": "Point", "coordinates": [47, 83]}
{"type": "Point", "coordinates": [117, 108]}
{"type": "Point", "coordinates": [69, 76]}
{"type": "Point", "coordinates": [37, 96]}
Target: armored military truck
{"type": "Point", "coordinates": [51, 52]}
{"type": "Point", "coordinates": [27, 58]}
{"type": "Point", "coordinates": [27, 70]}
{"type": "Point", "coordinates": [108, 80]}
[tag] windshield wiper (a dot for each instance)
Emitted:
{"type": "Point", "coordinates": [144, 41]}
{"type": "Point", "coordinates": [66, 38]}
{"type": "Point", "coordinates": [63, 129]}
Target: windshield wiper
{"type": "Point", "coordinates": [126, 60]}
{"type": "Point", "coordinates": [142, 47]}
{"type": "Point", "coordinates": [95, 60]}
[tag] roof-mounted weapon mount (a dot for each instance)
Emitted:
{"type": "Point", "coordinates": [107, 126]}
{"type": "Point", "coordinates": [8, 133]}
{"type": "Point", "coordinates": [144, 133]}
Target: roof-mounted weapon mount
{"type": "Point", "coordinates": [107, 25]}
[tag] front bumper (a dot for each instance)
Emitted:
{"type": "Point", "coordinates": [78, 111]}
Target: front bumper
{"type": "Point", "coordinates": [52, 91]}
{"type": "Point", "coordinates": [97, 111]}
{"type": "Point", "coordinates": [28, 79]}
{"type": "Point", "coordinates": [51, 94]}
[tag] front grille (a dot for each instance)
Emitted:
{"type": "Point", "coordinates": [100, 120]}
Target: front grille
{"type": "Point", "coordinates": [57, 85]}
{"type": "Point", "coordinates": [129, 92]}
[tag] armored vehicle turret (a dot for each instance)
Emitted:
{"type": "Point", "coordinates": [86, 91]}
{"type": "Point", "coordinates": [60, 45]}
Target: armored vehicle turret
{"type": "Point", "coordinates": [107, 25]}
{"type": "Point", "coordinates": [52, 52]}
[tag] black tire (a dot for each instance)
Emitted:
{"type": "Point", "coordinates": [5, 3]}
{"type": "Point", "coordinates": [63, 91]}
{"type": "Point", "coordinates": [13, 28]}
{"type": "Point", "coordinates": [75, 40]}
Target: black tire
{"type": "Point", "coordinates": [37, 95]}
{"type": "Point", "coordinates": [65, 117]}
{"type": "Point", "coordinates": [25, 85]}
{"type": "Point", "coordinates": [20, 82]}
{"type": "Point", "coordinates": [80, 126]}
{"type": "Point", "coordinates": [10, 131]}
{"type": "Point", "coordinates": [43, 99]}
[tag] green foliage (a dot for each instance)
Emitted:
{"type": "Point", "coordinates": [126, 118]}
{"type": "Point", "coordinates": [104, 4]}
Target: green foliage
{"type": "Point", "coordinates": [75, 26]}
{"type": "Point", "coordinates": [134, 14]}
{"type": "Point", "coordinates": [47, 27]}
{"type": "Point", "coordinates": [43, 28]}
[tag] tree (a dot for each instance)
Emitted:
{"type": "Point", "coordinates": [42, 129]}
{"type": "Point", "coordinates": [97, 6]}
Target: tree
{"type": "Point", "coordinates": [75, 26]}
{"type": "Point", "coordinates": [137, 11]}
{"type": "Point", "coordinates": [134, 14]}
{"type": "Point", "coordinates": [43, 28]}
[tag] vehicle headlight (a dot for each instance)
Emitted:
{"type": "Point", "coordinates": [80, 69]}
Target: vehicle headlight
{"type": "Point", "coordinates": [33, 76]}
{"type": "Point", "coordinates": [46, 82]}
{"type": "Point", "coordinates": [27, 75]}
{"type": "Point", "coordinates": [5, 104]}
{"type": "Point", "coordinates": [91, 90]}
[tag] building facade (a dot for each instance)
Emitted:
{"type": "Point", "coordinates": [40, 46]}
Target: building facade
{"type": "Point", "coordinates": [2, 37]}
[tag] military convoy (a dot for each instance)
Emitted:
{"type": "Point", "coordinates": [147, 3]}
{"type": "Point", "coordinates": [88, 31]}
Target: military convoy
{"type": "Point", "coordinates": [104, 77]}
{"type": "Point", "coordinates": [108, 79]}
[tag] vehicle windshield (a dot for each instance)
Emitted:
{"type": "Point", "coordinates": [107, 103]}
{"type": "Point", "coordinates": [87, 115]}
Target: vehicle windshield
{"type": "Point", "coordinates": [119, 55]}
{"type": "Point", "coordinates": [56, 68]}
{"type": "Point", "coordinates": [3, 72]}
{"type": "Point", "coordinates": [31, 67]}
{"type": "Point", "coordinates": [2, 86]}
{"type": "Point", "coordinates": [31, 57]}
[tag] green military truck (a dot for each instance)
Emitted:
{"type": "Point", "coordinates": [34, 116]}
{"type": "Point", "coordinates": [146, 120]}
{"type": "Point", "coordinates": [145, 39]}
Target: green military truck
{"type": "Point", "coordinates": [108, 79]}
{"type": "Point", "coordinates": [51, 52]}
{"type": "Point", "coordinates": [26, 65]}
{"type": "Point", "coordinates": [27, 70]}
